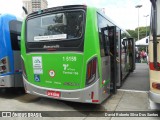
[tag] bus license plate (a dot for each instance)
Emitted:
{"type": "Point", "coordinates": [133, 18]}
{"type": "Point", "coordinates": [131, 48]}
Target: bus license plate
{"type": "Point", "coordinates": [54, 94]}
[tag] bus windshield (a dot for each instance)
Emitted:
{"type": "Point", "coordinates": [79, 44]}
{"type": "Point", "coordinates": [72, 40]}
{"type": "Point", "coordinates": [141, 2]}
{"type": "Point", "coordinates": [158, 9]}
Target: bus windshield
{"type": "Point", "coordinates": [55, 27]}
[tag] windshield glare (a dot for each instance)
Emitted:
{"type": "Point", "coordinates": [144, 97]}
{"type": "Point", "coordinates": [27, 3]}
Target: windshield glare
{"type": "Point", "coordinates": [55, 27]}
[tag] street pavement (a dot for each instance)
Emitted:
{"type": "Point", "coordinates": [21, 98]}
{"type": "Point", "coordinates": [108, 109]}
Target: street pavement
{"type": "Point", "coordinates": [126, 99]}
{"type": "Point", "coordinates": [139, 79]}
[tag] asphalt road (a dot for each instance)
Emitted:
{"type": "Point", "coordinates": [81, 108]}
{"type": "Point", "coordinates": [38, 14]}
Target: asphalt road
{"type": "Point", "coordinates": [122, 101]}
{"type": "Point", "coordinates": [16, 100]}
{"type": "Point", "coordinates": [139, 79]}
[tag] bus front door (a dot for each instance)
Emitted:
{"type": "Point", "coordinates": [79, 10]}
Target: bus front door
{"type": "Point", "coordinates": [113, 54]}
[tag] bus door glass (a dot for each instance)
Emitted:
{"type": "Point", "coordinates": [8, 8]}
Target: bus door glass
{"type": "Point", "coordinates": [127, 67]}
{"type": "Point", "coordinates": [118, 70]}
{"type": "Point", "coordinates": [108, 51]}
{"type": "Point", "coordinates": [113, 54]}
{"type": "Point", "coordinates": [131, 50]}
{"type": "Point", "coordinates": [127, 61]}
{"type": "Point", "coordinates": [124, 44]}
{"type": "Point", "coordinates": [104, 47]}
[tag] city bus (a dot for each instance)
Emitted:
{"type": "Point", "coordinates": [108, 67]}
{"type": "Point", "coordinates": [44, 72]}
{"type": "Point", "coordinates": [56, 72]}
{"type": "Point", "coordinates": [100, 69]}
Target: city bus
{"type": "Point", "coordinates": [10, 58]}
{"type": "Point", "coordinates": [154, 54]}
{"type": "Point", "coordinates": [74, 53]}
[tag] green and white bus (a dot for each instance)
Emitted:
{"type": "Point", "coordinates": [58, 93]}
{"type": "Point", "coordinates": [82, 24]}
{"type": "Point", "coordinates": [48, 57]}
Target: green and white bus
{"type": "Point", "coordinates": [74, 53]}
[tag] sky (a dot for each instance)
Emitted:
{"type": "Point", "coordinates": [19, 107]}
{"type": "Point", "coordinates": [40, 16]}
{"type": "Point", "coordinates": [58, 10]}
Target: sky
{"type": "Point", "coordinates": [123, 12]}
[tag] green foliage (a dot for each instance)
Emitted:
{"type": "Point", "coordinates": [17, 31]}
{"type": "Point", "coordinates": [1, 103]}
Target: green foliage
{"type": "Point", "coordinates": [142, 32]}
{"type": "Point", "coordinates": [133, 33]}
{"type": "Point", "coordinates": [142, 48]}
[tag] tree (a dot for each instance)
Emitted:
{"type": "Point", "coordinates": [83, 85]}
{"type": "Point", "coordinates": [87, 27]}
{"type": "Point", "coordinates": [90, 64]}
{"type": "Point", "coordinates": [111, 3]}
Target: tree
{"type": "Point", "coordinates": [142, 32]}
{"type": "Point", "coordinates": [133, 33]}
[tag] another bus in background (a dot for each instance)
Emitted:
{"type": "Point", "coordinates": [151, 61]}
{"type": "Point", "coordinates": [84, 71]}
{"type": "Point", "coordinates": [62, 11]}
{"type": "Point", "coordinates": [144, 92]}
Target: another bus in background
{"type": "Point", "coordinates": [154, 52]}
{"type": "Point", "coordinates": [10, 62]}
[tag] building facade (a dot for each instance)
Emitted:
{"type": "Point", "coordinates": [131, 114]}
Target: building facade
{"type": "Point", "coordinates": [34, 5]}
{"type": "Point", "coordinates": [28, 5]}
{"type": "Point", "coordinates": [39, 4]}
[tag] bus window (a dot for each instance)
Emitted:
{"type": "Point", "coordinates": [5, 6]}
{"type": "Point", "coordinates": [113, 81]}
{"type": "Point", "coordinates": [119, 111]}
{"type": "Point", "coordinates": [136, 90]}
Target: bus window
{"type": "Point", "coordinates": [15, 31]}
{"type": "Point", "coordinates": [60, 31]}
{"type": "Point", "coordinates": [104, 42]}
{"type": "Point", "coordinates": [124, 39]}
{"type": "Point", "coordinates": [103, 36]}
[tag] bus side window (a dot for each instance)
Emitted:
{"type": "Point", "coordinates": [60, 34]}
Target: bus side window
{"type": "Point", "coordinates": [105, 40]}
{"type": "Point", "coordinates": [103, 35]}
{"type": "Point", "coordinates": [15, 32]}
{"type": "Point", "coordinates": [124, 48]}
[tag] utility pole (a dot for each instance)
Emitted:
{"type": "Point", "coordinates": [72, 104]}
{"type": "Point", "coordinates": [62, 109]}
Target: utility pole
{"type": "Point", "coordinates": [138, 6]}
{"type": "Point", "coordinates": [146, 24]}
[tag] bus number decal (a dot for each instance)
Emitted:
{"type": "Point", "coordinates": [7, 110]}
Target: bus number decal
{"type": "Point", "coordinates": [70, 58]}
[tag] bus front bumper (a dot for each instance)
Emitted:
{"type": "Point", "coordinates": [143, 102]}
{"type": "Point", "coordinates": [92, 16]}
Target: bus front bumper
{"type": "Point", "coordinates": [80, 95]}
{"type": "Point", "coordinates": [154, 97]}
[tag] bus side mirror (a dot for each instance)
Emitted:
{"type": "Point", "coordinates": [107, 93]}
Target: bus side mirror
{"type": "Point", "coordinates": [146, 40]}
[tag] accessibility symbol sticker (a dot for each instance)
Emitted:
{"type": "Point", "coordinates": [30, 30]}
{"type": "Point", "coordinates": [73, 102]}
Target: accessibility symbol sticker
{"type": "Point", "coordinates": [37, 78]}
